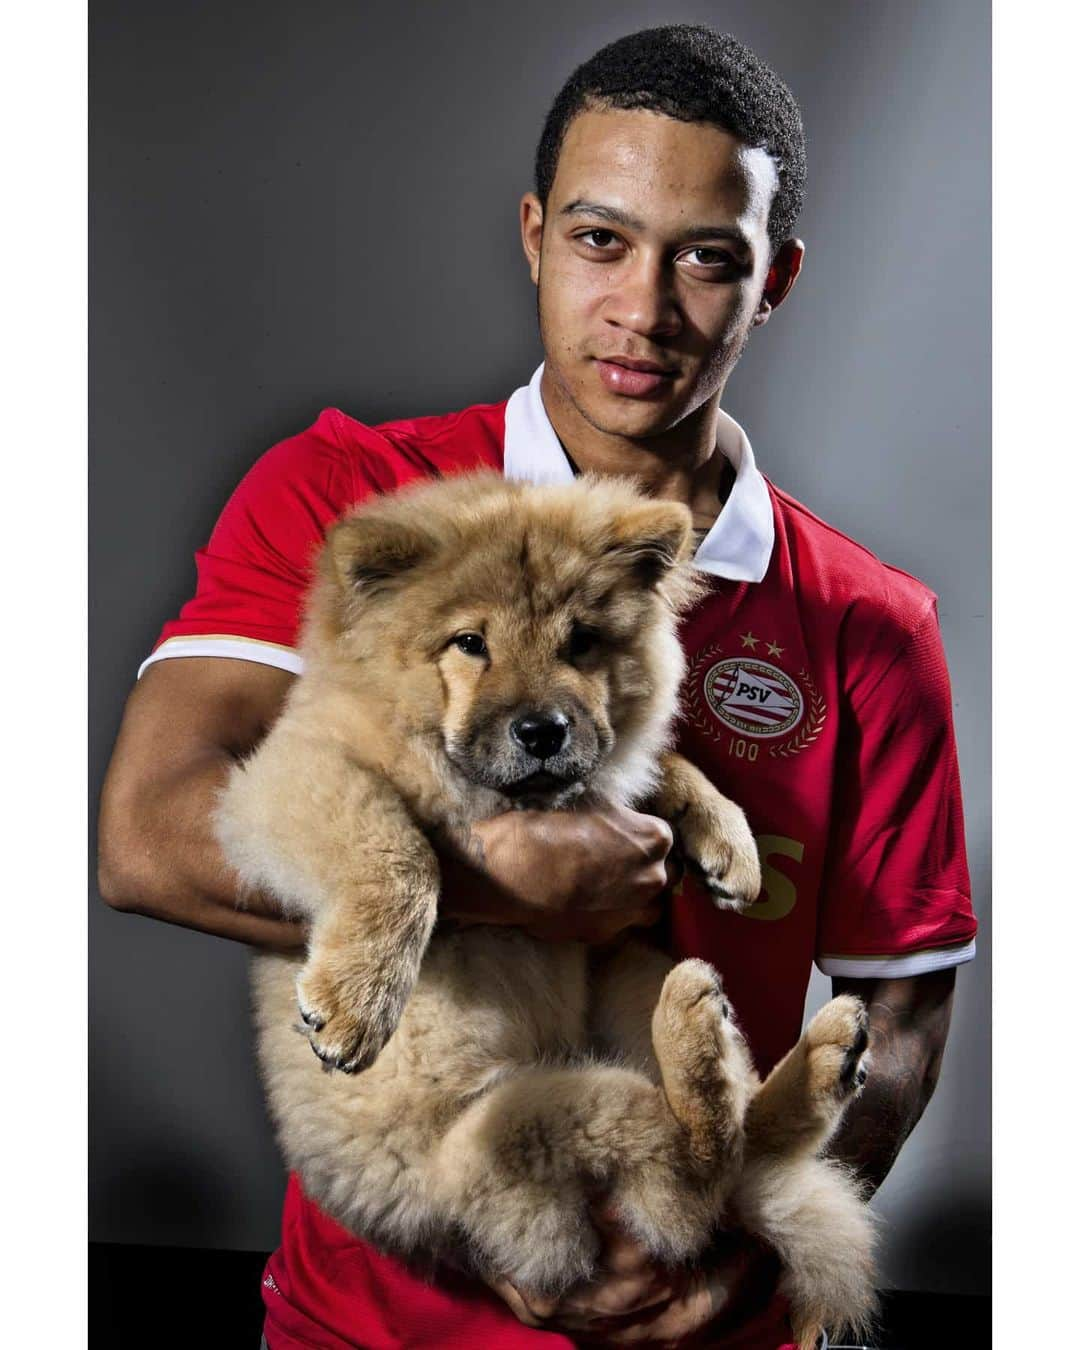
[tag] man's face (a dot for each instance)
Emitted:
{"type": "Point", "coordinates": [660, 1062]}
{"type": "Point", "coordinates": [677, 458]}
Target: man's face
{"type": "Point", "coordinates": [650, 259]}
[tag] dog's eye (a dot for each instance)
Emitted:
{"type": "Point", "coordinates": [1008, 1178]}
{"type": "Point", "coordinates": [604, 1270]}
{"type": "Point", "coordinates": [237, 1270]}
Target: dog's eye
{"type": "Point", "coordinates": [472, 644]}
{"type": "Point", "coordinates": [582, 641]}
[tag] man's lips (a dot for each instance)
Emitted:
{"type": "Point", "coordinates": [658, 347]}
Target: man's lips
{"type": "Point", "coordinates": [632, 377]}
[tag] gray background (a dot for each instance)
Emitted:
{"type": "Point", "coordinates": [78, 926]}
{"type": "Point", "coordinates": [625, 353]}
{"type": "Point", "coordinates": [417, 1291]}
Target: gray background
{"type": "Point", "coordinates": [301, 206]}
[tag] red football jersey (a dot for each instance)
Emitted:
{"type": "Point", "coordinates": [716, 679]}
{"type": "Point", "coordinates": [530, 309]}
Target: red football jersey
{"type": "Point", "coordinates": [817, 697]}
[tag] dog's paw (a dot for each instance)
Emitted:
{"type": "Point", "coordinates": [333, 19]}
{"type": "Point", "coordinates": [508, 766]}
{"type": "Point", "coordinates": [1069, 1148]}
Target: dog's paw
{"type": "Point", "coordinates": [720, 851]}
{"type": "Point", "coordinates": [348, 1020]}
{"type": "Point", "coordinates": [704, 1065]}
{"type": "Point", "coordinates": [836, 1041]}
{"type": "Point", "coordinates": [693, 993]}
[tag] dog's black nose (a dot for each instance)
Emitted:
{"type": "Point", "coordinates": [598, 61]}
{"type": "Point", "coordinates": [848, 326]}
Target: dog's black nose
{"type": "Point", "coordinates": [543, 734]}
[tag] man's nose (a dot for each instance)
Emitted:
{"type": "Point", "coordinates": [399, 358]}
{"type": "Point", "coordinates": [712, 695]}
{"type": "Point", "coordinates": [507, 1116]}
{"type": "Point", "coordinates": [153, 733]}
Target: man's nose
{"type": "Point", "coordinates": [644, 300]}
{"type": "Point", "coordinates": [542, 734]}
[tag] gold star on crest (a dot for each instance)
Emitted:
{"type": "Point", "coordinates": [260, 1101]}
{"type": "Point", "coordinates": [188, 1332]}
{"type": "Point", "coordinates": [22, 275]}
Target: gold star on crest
{"type": "Point", "coordinates": [774, 650]}
{"type": "Point", "coordinates": [749, 640]}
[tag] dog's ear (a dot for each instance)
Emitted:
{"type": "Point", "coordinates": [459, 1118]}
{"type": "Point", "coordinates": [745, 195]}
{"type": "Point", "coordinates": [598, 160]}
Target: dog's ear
{"type": "Point", "coordinates": [366, 553]}
{"type": "Point", "coordinates": [651, 538]}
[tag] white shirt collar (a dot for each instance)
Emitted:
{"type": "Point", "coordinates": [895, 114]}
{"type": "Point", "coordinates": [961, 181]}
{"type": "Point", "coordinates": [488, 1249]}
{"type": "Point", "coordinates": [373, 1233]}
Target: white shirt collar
{"type": "Point", "coordinates": [740, 543]}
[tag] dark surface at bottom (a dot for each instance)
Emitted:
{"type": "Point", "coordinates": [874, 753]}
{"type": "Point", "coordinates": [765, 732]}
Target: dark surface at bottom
{"type": "Point", "coordinates": [165, 1298]}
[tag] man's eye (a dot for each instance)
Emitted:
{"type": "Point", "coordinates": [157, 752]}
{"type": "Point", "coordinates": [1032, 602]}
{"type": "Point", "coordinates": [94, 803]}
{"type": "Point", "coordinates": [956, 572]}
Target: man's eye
{"type": "Point", "coordinates": [598, 239]}
{"type": "Point", "coordinates": [472, 644]}
{"type": "Point", "coordinates": [715, 259]}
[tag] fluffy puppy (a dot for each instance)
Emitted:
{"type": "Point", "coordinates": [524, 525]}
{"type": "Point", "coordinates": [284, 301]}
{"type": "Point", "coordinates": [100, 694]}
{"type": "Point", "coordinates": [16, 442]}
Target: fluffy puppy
{"type": "Point", "coordinates": [471, 646]}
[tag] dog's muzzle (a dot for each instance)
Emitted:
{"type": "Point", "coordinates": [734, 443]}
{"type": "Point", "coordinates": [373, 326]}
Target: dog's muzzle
{"type": "Point", "coordinates": [541, 756]}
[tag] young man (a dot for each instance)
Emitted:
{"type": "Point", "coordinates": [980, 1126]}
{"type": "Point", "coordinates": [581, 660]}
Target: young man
{"type": "Point", "coordinates": [669, 177]}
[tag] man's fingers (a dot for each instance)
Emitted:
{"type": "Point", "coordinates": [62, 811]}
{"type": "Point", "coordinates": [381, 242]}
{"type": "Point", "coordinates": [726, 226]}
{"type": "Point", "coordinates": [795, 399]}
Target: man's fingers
{"type": "Point", "coordinates": [632, 1280]}
{"type": "Point", "coordinates": [702, 1296]}
{"type": "Point", "coordinates": [533, 1313]}
{"type": "Point", "coordinates": [656, 837]}
{"type": "Point", "coordinates": [624, 1255]}
{"type": "Point", "coordinates": [619, 1295]}
{"type": "Point", "coordinates": [674, 869]}
{"type": "Point", "coordinates": [694, 1308]}
{"type": "Point", "coordinates": [652, 880]}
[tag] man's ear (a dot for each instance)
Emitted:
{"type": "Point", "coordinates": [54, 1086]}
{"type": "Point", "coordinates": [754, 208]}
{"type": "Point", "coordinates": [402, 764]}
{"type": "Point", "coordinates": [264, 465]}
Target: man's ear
{"type": "Point", "coordinates": [532, 231]}
{"type": "Point", "coordinates": [366, 554]}
{"type": "Point", "coordinates": [651, 538]}
{"type": "Point", "coordinates": [783, 270]}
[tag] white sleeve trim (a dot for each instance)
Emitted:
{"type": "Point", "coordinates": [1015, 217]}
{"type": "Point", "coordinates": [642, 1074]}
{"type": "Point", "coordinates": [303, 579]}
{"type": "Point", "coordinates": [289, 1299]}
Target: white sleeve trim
{"type": "Point", "coordinates": [914, 963]}
{"type": "Point", "coordinates": [235, 648]}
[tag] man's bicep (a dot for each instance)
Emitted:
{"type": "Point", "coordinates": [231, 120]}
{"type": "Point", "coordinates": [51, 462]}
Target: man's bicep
{"type": "Point", "coordinates": [184, 725]}
{"type": "Point", "coordinates": [214, 700]}
{"type": "Point", "coordinates": [905, 997]}
{"type": "Point", "coordinates": [184, 712]}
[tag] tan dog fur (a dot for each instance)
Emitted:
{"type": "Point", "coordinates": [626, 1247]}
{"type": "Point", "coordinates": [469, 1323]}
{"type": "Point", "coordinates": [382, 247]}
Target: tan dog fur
{"type": "Point", "coordinates": [506, 1081]}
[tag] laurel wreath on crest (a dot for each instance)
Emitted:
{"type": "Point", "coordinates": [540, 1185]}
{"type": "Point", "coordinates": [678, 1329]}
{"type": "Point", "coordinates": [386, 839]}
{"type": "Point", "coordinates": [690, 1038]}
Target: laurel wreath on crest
{"type": "Point", "coordinates": [811, 728]}
{"type": "Point", "coordinates": [691, 709]}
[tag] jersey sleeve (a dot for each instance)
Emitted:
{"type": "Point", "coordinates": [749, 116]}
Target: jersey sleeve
{"type": "Point", "coordinates": [896, 899]}
{"type": "Point", "coordinates": [254, 572]}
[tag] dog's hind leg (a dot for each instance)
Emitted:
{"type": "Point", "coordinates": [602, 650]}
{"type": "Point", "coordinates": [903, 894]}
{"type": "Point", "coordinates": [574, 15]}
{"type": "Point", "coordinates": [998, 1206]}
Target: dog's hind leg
{"type": "Point", "coordinates": [674, 1024]}
{"type": "Point", "coordinates": [807, 1207]}
{"type": "Point", "coordinates": [800, 1104]}
{"type": "Point", "coordinates": [705, 1066]}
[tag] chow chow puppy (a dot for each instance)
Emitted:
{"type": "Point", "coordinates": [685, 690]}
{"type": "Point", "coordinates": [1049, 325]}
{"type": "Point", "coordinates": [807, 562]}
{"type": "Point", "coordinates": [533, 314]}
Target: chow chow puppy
{"type": "Point", "coordinates": [471, 646]}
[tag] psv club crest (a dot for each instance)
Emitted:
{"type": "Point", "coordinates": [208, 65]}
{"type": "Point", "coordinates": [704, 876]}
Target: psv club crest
{"type": "Point", "coordinates": [750, 701]}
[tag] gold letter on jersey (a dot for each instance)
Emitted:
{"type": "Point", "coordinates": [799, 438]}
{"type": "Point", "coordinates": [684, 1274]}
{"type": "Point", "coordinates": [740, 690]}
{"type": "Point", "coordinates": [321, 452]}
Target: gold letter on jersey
{"type": "Point", "coordinates": [778, 890]}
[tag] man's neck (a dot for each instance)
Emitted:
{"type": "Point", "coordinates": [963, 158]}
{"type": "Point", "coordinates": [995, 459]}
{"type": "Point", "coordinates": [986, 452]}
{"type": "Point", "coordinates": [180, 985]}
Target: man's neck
{"type": "Point", "coordinates": [680, 465]}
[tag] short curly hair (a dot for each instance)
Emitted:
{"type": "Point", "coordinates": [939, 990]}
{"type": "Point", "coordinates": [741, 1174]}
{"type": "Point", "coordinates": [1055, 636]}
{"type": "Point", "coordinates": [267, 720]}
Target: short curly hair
{"type": "Point", "coordinates": [695, 75]}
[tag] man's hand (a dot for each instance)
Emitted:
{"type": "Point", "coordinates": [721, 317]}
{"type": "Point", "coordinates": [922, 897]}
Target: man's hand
{"type": "Point", "coordinates": [566, 876]}
{"type": "Point", "coordinates": [638, 1302]}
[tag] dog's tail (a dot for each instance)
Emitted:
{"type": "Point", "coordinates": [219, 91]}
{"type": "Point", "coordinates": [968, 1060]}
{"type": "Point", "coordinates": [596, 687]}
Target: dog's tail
{"type": "Point", "coordinates": [810, 1211]}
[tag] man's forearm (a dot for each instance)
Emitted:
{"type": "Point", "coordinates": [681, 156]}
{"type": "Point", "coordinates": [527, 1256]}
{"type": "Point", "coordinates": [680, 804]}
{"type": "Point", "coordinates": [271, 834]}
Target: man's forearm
{"type": "Point", "coordinates": [909, 1024]}
{"type": "Point", "coordinates": [158, 857]}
